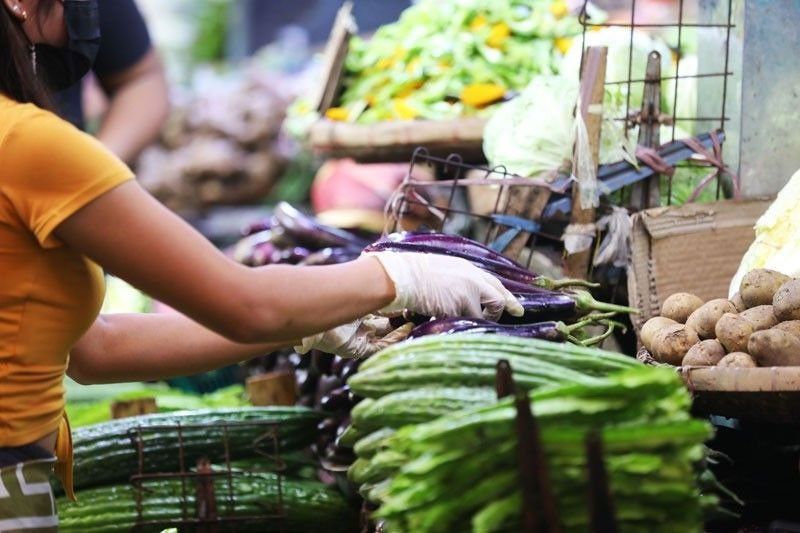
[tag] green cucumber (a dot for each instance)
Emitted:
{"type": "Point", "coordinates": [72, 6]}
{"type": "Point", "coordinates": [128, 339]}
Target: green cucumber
{"type": "Point", "coordinates": [308, 506]}
{"type": "Point", "coordinates": [107, 453]}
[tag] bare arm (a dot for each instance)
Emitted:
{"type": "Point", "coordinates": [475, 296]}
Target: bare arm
{"type": "Point", "coordinates": [130, 234]}
{"type": "Point", "coordinates": [140, 347]}
{"type": "Point", "coordinates": [138, 106]}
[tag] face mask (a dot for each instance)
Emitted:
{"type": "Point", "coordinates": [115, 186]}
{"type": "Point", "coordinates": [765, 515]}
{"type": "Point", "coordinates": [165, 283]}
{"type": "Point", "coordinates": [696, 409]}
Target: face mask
{"type": "Point", "coordinates": [61, 68]}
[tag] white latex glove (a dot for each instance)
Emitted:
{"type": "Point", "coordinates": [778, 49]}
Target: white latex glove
{"type": "Point", "coordinates": [360, 338]}
{"type": "Point", "coordinates": [443, 286]}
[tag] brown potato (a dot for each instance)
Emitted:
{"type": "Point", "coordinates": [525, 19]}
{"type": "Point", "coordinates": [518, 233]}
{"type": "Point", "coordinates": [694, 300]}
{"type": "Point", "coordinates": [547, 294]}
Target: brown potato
{"type": "Point", "coordinates": [774, 347]}
{"type": "Point", "coordinates": [671, 343]}
{"type": "Point", "coordinates": [651, 327]}
{"type": "Point", "coordinates": [790, 326]}
{"type": "Point", "coordinates": [760, 317]}
{"type": "Point", "coordinates": [737, 302]}
{"type": "Point", "coordinates": [737, 359]}
{"type": "Point", "coordinates": [787, 301]}
{"type": "Point", "coordinates": [760, 285]}
{"type": "Point", "coordinates": [680, 305]}
{"type": "Point", "coordinates": [733, 331]}
{"type": "Point", "coordinates": [705, 318]}
{"type": "Point", "coordinates": [704, 353]}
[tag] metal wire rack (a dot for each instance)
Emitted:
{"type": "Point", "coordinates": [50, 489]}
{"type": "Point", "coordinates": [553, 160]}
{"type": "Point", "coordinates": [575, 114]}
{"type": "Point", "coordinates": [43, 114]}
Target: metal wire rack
{"type": "Point", "coordinates": [208, 494]}
{"type": "Point", "coordinates": [490, 205]}
{"type": "Point", "coordinates": [688, 24]}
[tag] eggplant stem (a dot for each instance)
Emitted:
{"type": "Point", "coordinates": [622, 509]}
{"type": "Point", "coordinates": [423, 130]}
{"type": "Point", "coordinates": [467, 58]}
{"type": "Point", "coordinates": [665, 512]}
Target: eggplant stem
{"type": "Point", "coordinates": [586, 302]}
{"type": "Point", "coordinates": [600, 338]}
{"type": "Point", "coordinates": [556, 284]}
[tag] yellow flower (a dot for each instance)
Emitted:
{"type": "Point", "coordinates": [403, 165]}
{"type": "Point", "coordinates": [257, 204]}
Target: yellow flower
{"type": "Point", "coordinates": [478, 23]}
{"type": "Point", "coordinates": [482, 94]}
{"type": "Point", "coordinates": [498, 35]}
{"type": "Point", "coordinates": [563, 44]}
{"type": "Point", "coordinates": [402, 110]}
{"type": "Point", "coordinates": [337, 113]}
{"type": "Point", "coordinates": [386, 62]}
{"type": "Point", "coordinates": [413, 64]}
{"type": "Point", "coordinates": [409, 88]}
{"type": "Point", "coordinates": [559, 8]}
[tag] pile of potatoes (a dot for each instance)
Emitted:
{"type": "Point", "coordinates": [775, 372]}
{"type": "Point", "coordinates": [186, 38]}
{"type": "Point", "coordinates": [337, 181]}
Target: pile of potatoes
{"type": "Point", "coordinates": [759, 326]}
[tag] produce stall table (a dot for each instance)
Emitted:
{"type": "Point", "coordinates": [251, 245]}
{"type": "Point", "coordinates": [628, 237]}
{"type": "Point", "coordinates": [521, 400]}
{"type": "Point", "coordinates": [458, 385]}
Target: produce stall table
{"type": "Point", "coordinates": [764, 395]}
{"type": "Point", "coordinates": [757, 394]}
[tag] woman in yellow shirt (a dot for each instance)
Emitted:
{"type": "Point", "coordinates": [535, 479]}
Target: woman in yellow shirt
{"type": "Point", "coordinates": [69, 208]}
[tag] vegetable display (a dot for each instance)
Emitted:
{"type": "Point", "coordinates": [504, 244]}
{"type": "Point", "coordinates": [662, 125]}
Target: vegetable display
{"type": "Point", "coordinates": [422, 379]}
{"type": "Point", "coordinates": [452, 58]}
{"type": "Point", "coordinates": [756, 327]}
{"type": "Point", "coordinates": [652, 447]}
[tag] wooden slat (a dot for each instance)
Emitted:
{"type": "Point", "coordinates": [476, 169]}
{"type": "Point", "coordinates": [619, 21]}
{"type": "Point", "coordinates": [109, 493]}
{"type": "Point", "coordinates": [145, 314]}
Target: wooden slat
{"type": "Point", "coordinates": [647, 193]}
{"type": "Point", "coordinates": [592, 90]}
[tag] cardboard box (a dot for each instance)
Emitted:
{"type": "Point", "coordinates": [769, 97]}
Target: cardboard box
{"type": "Point", "coordinates": [694, 248]}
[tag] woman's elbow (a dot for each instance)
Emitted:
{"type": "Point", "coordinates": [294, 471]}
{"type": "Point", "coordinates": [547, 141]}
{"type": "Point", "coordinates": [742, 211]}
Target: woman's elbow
{"type": "Point", "coordinates": [82, 373]}
{"type": "Point", "coordinates": [253, 325]}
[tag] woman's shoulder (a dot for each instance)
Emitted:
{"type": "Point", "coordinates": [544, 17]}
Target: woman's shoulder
{"type": "Point", "coordinates": [24, 121]}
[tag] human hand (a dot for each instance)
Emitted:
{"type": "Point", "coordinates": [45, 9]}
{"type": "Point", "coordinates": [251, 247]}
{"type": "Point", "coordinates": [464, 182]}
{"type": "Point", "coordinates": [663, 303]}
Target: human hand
{"type": "Point", "coordinates": [443, 286]}
{"type": "Point", "coordinates": [357, 339]}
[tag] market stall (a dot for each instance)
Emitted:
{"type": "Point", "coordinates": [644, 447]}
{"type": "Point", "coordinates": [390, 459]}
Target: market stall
{"type": "Point", "coordinates": [536, 142]}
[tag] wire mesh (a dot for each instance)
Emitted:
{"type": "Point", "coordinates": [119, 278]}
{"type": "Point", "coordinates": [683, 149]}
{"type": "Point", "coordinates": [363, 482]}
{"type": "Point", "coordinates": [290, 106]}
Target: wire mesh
{"type": "Point", "coordinates": [488, 204]}
{"type": "Point", "coordinates": [207, 475]}
{"type": "Point", "coordinates": [677, 33]}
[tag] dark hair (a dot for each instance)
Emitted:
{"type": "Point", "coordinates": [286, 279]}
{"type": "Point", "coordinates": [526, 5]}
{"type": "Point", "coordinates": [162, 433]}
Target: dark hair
{"type": "Point", "coordinates": [17, 78]}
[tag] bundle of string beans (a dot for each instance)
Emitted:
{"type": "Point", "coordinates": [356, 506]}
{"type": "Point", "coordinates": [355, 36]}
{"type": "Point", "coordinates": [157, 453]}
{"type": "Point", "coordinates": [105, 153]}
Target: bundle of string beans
{"type": "Point", "coordinates": [459, 472]}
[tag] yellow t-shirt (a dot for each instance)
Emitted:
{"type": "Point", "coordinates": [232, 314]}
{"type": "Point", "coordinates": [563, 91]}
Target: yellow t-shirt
{"type": "Point", "coordinates": [49, 294]}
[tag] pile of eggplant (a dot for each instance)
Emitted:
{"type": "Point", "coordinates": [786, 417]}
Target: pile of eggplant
{"type": "Point", "coordinates": [556, 310]}
{"type": "Point", "coordinates": [294, 238]}
{"type": "Point", "coordinates": [321, 383]}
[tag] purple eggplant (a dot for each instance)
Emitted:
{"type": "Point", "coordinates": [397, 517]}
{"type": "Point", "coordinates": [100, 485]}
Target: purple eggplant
{"type": "Point", "coordinates": [553, 331]}
{"type": "Point", "coordinates": [336, 399]}
{"type": "Point", "coordinates": [452, 242]}
{"type": "Point", "coordinates": [550, 330]}
{"type": "Point", "coordinates": [332, 256]}
{"type": "Point", "coordinates": [541, 303]}
{"type": "Point", "coordinates": [306, 231]}
{"type": "Point", "coordinates": [502, 270]}
{"type": "Point", "coordinates": [294, 256]}
{"type": "Point", "coordinates": [258, 226]}
{"type": "Point", "coordinates": [490, 265]}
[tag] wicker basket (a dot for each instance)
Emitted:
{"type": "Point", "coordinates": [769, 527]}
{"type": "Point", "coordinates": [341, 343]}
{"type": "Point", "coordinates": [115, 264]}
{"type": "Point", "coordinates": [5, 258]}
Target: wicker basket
{"type": "Point", "coordinates": [754, 394]}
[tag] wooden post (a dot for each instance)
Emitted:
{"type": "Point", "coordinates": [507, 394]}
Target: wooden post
{"type": "Point", "coordinates": [273, 388]}
{"type": "Point", "coordinates": [592, 87]}
{"type": "Point", "coordinates": [128, 408]}
{"type": "Point", "coordinates": [647, 193]}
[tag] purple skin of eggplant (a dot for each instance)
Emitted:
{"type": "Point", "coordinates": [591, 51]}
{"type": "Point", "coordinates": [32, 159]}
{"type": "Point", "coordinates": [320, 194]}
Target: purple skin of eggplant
{"type": "Point", "coordinates": [445, 326]}
{"type": "Point", "coordinates": [306, 231]}
{"type": "Point", "coordinates": [331, 256]}
{"type": "Point", "coordinates": [452, 242]}
{"type": "Point", "coordinates": [493, 267]}
{"type": "Point", "coordinates": [295, 255]}
{"type": "Point", "coordinates": [541, 303]}
{"type": "Point", "coordinates": [258, 226]}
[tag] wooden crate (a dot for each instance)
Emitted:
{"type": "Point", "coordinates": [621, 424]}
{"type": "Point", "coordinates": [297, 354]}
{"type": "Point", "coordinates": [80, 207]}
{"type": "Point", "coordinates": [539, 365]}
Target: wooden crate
{"type": "Point", "coordinates": [391, 141]}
